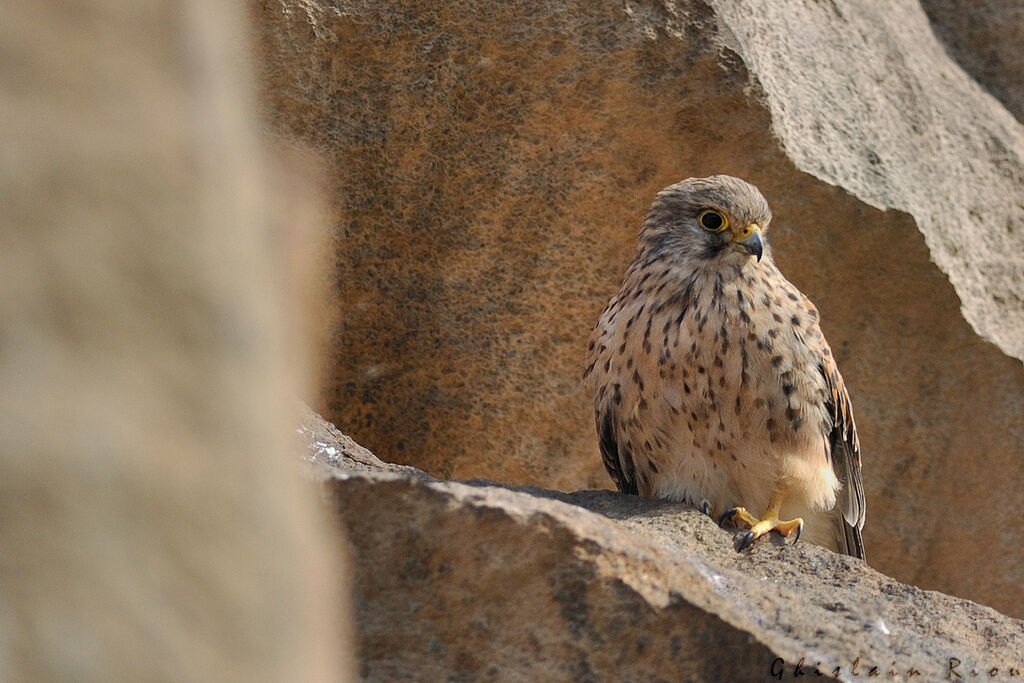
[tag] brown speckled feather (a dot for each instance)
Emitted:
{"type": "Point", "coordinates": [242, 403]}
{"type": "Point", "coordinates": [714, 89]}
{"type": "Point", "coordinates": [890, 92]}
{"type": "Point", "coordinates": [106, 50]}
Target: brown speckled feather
{"type": "Point", "coordinates": [845, 454]}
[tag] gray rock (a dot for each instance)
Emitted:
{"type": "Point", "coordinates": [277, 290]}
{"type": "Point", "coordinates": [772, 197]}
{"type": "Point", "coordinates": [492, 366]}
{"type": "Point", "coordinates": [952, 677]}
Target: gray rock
{"type": "Point", "coordinates": [478, 581]}
{"type": "Point", "coordinates": [984, 37]}
{"type": "Point", "coordinates": [330, 451]}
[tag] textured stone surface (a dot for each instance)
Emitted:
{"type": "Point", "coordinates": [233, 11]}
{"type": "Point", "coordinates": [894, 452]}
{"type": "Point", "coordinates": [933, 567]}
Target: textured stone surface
{"type": "Point", "coordinates": [984, 37]}
{"type": "Point", "coordinates": [326, 447]}
{"type": "Point", "coordinates": [152, 524]}
{"type": "Point", "coordinates": [899, 125]}
{"type": "Point", "coordinates": [474, 581]}
{"type": "Point", "coordinates": [490, 170]}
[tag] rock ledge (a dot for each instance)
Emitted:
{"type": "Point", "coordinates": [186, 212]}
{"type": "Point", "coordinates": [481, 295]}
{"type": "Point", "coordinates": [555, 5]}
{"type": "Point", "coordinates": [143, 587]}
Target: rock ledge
{"type": "Point", "coordinates": [476, 580]}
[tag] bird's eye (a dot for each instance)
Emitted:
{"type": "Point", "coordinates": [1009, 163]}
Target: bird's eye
{"type": "Point", "coordinates": [713, 221]}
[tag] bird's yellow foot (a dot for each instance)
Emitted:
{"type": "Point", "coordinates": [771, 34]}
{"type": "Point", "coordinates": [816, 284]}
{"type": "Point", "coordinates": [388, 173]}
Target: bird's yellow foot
{"type": "Point", "coordinates": [759, 527]}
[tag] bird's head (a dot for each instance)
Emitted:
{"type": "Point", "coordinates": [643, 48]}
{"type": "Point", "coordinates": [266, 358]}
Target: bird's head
{"type": "Point", "coordinates": [715, 218]}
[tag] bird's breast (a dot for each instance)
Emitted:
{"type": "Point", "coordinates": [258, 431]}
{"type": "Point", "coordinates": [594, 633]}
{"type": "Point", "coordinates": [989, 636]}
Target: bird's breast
{"type": "Point", "coordinates": [712, 377]}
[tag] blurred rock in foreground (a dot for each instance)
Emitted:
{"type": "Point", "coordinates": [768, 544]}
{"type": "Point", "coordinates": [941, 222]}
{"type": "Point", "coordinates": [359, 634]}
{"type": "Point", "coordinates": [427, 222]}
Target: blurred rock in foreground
{"type": "Point", "coordinates": [153, 524]}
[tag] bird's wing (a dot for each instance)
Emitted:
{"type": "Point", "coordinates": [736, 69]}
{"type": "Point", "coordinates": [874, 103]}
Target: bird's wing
{"type": "Point", "coordinates": [844, 450]}
{"type": "Point", "coordinates": [617, 460]}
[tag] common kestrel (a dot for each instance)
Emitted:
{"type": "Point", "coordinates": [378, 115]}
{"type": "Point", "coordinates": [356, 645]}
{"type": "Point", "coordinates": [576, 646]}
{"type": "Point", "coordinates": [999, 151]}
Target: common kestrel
{"type": "Point", "coordinates": [713, 382]}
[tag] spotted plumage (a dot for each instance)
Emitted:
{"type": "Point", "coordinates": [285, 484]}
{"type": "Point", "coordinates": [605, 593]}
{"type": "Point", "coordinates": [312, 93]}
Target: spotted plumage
{"type": "Point", "coordinates": [712, 380]}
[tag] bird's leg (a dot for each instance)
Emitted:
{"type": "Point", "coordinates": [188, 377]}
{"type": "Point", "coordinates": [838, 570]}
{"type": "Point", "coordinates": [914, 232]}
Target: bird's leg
{"type": "Point", "coordinates": [769, 522]}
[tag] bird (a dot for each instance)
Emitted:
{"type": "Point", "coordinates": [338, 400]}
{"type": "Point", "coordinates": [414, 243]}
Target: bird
{"type": "Point", "coordinates": [713, 383]}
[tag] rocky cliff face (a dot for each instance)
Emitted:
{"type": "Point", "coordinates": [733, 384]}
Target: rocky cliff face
{"type": "Point", "coordinates": [490, 168]}
{"type": "Point", "coordinates": [479, 581]}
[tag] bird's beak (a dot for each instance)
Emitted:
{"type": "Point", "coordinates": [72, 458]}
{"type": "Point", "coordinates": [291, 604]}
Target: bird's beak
{"type": "Point", "coordinates": [749, 240]}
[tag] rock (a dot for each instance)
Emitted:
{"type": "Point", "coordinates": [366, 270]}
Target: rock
{"type": "Point", "coordinates": [490, 169]}
{"type": "Point", "coordinates": [152, 524]}
{"type": "Point", "coordinates": [478, 581]}
{"type": "Point", "coordinates": [877, 102]}
{"type": "Point", "coordinates": [984, 37]}
{"type": "Point", "coordinates": [331, 451]}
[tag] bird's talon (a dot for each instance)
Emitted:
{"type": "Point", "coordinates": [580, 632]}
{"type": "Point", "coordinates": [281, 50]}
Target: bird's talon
{"type": "Point", "coordinates": [739, 515]}
{"type": "Point", "coordinates": [705, 507]}
{"type": "Point", "coordinates": [727, 516]}
{"type": "Point", "coordinates": [770, 522]}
